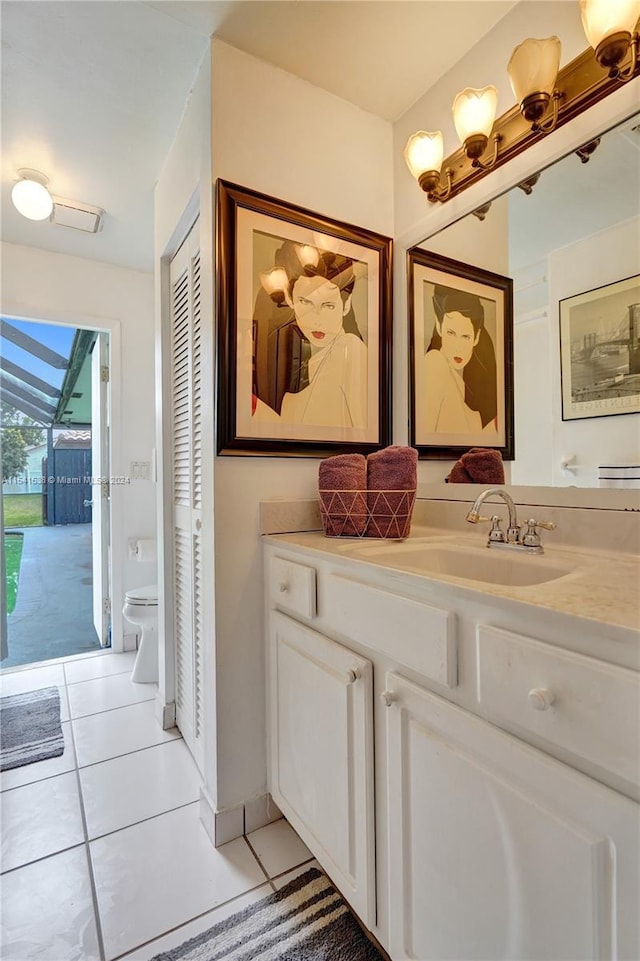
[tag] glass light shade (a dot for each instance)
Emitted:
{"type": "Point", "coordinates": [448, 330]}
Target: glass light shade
{"type": "Point", "coordinates": [307, 255]}
{"type": "Point", "coordinates": [602, 18]}
{"type": "Point", "coordinates": [32, 199]}
{"type": "Point", "coordinates": [533, 67]}
{"type": "Point", "coordinates": [275, 280]}
{"type": "Point", "coordinates": [424, 151]}
{"type": "Point", "coordinates": [474, 112]}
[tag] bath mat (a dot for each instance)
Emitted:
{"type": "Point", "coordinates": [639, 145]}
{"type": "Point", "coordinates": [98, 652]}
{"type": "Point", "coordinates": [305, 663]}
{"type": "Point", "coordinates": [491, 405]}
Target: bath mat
{"type": "Point", "coordinates": [30, 728]}
{"type": "Point", "coordinates": [305, 921]}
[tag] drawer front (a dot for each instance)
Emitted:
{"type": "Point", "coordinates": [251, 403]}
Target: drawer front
{"type": "Point", "coordinates": [416, 635]}
{"type": "Point", "coordinates": [293, 587]}
{"type": "Point", "coordinates": [580, 704]}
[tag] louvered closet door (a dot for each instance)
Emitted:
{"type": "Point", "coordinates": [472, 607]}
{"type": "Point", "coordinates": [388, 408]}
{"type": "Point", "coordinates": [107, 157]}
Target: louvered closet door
{"type": "Point", "coordinates": [186, 449]}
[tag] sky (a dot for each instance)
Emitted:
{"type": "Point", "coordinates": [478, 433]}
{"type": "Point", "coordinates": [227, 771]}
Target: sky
{"type": "Point", "coordinates": [51, 335]}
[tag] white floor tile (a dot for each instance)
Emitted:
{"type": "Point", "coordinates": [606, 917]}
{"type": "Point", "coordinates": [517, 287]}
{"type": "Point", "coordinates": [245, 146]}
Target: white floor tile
{"type": "Point", "coordinates": [128, 789]}
{"type": "Point", "coordinates": [39, 770]}
{"type": "Point", "coordinates": [278, 847]}
{"type": "Point", "coordinates": [107, 693]}
{"type": "Point", "coordinates": [47, 911]}
{"type": "Point", "coordinates": [102, 736]}
{"type": "Point", "coordinates": [188, 931]}
{"type": "Point", "coordinates": [31, 679]}
{"type": "Point", "coordinates": [19, 682]}
{"type": "Point", "coordinates": [162, 873]}
{"type": "Point", "coordinates": [100, 665]}
{"type": "Point", "coordinates": [40, 819]}
{"type": "Point", "coordinates": [283, 879]}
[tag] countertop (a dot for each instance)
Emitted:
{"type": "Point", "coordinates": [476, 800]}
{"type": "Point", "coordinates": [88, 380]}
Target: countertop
{"type": "Point", "coordinates": [601, 586]}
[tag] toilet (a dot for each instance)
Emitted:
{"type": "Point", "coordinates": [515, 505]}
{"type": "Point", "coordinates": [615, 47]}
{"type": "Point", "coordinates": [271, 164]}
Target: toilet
{"type": "Point", "coordinates": [141, 610]}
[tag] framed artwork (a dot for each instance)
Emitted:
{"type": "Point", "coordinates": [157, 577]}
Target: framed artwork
{"type": "Point", "coordinates": [600, 351]}
{"type": "Point", "coordinates": [304, 330]}
{"type": "Point", "coordinates": [461, 357]}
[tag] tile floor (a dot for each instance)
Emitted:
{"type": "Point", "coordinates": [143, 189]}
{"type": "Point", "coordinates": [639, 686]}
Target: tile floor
{"type": "Point", "coordinates": [103, 853]}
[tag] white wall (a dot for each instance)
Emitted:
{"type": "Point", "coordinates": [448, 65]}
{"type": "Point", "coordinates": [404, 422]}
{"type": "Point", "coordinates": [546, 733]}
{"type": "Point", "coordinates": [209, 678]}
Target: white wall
{"type": "Point", "coordinates": [40, 285]}
{"type": "Point", "coordinates": [603, 258]}
{"type": "Point", "coordinates": [280, 135]}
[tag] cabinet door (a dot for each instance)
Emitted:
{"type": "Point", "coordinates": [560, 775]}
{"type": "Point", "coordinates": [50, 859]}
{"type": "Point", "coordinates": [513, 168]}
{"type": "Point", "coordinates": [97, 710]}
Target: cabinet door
{"type": "Point", "coordinates": [498, 851]}
{"type": "Point", "coordinates": [321, 753]}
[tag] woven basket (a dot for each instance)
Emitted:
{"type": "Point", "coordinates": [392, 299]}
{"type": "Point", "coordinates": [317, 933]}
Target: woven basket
{"type": "Point", "coordinates": [367, 513]}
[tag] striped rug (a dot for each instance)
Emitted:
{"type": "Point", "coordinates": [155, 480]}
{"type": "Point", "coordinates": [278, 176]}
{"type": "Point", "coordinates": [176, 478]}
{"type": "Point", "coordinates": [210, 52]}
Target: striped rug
{"type": "Point", "coordinates": [30, 728]}
{"type": "Point", "coordinates": [305, 921]}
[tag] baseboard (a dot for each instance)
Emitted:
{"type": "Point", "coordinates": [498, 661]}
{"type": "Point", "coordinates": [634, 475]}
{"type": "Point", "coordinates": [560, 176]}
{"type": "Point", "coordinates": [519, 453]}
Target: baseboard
{"type": "Point", "coordinates": [208, 815]}
{"type": "Point", "coordinates": [231, 823]}
{"type": "Point", "coordinates": [165, 713]}
{"type": "Point", "coordinates": [259, 812]}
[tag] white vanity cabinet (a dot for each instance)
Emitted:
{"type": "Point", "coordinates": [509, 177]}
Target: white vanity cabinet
{"type": "Point", "coordinates": [321, 753]}
{"type": "Point", "coordinates": [498, 850]}
{"type": "Point", "coordinates": [500, 824]}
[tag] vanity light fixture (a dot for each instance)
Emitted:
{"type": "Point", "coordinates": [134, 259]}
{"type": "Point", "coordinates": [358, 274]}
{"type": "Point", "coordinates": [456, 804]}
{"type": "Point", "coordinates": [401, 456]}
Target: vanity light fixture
{"type": "Point", "coordinates": [610, 26]}
{"type": "Point", "coordinates": [423, 155]}
{"type": "Point", "coordinates": [474, 111]}
{"type": "Point", "coordinates": [30, 195]}
{"type": "Point", "coordinates": [533, 70]}
{"type": "Point", "coordinates": [547, 96]}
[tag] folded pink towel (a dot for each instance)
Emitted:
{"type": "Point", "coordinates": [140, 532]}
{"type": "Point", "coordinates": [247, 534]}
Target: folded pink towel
{"type": "Point", "coordinates": [392, 479]}
{"type": "Point", "coordinates": [480, 465]}
{"type": "Point", "coordinates": [342, 483]}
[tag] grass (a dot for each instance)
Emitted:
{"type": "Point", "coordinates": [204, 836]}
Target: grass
{"type": "Point", "coordinates": [22, 510]}
{"type": "Point", "coordinates": [12, 554]}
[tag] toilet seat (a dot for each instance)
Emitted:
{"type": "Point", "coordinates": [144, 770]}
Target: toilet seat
{"type": "Point", "coordinates": [143, 596]}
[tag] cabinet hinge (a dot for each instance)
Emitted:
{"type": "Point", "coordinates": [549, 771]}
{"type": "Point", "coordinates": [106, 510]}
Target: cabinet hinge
{"type": "Point", "coordinates": [106, 605]}
{"type": "Point", "coordinates": [104, 374]}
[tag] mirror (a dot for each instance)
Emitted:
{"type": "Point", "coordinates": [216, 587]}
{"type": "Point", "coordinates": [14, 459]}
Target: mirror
{"type": "Point", "coordinates": [573, 228]}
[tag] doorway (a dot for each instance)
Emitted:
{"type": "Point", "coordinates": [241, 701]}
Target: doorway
{"type": "Point", "coordinates": [55, 501]}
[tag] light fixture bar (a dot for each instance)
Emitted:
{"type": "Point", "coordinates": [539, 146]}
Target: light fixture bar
{"type": "Point", "coordinates": [582, 83]}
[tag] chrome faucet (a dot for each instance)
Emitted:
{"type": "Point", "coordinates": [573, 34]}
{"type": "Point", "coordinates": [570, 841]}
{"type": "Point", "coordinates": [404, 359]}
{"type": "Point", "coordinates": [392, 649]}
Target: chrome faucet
{"type": "Point", "coordinates": [513, 537]}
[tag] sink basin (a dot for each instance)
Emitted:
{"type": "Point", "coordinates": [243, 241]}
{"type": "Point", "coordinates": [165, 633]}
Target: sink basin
{"type": "Point", "coordinates": [471, 563]}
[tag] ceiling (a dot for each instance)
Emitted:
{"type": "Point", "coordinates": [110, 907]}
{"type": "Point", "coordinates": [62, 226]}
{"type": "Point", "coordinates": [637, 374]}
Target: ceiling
{"type": "Point", "coordinates": [93, 90]}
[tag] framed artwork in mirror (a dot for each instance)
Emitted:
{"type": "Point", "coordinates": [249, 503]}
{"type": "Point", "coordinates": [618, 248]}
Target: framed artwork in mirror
{"type": "Point", "coordinates": [304, 330]}
{"type": "Point", "coordinates": [461, 357]}
{"type": "Point", "coordinates": [600, 351]}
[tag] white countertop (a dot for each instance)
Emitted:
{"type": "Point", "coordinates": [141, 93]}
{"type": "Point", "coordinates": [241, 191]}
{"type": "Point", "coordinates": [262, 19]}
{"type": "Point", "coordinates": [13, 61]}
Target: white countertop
{"type": "Point", "coordinates": [601, 586]}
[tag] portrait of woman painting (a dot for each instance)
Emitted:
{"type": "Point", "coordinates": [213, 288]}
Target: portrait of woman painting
{"type": "Point", "coordinates": [461, 364]}
{"type": "Point", "coordinates": [304, 330]}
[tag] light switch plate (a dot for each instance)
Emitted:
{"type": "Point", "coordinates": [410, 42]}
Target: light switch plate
{"type": "Point", "coordinates": [140, 470]}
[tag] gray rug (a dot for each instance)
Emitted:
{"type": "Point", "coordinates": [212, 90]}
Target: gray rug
{"type": "Point", "coordinates": [30, 728]}
{"type": "Point", "coordinates": [305, 921]}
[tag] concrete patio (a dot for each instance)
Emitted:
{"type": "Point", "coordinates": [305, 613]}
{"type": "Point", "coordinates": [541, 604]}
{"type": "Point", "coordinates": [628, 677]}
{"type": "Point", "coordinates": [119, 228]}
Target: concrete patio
{"type": "Point", "coordinates": [53, 616]}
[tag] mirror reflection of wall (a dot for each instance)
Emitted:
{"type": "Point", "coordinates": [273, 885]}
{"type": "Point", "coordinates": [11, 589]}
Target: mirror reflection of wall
{"type": "Point", "coordinates": [576, 230]}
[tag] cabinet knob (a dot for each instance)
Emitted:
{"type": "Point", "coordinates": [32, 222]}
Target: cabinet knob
{"type": "Point", "coordinates": [388, 697]}
{"type": "Point", "coordinates": [353, 675]}
{"type": "Point", "coordinates": [283, 587]}
{"type": "Point", "coordinates": [541, 698]}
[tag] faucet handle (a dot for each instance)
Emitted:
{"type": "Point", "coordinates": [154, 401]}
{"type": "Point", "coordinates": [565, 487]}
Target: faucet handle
{"type": "Point", "coordinates": [531, 538]}
{"type": "Point", "coordinates": [496, 533]}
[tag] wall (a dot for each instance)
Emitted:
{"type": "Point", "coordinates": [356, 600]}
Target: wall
{"type": "Point", "coordinates": [82, 292]}
{"type": "Point", "coordinates": [280, 135]}
{"type": "Point", "coordinates": [603, 258]}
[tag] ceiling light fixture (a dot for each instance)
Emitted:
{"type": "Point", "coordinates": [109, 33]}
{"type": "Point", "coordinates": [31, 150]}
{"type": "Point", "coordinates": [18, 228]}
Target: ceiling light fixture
{"type": "Point", "coordinates": [30, 196]}
{"type": "Point", "coordinates": [547, 96]}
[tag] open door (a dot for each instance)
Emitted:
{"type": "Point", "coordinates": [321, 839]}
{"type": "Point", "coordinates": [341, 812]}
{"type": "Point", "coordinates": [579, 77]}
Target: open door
{"type": "Point", "coordinates": [100, 487]}
{"type": "Point", "coordinates": [4, 650]}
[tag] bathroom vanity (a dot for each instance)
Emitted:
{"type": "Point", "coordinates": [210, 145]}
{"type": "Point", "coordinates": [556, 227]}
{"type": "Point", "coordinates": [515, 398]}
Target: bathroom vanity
{"type": "Point", "coordinates": [454, 733]}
